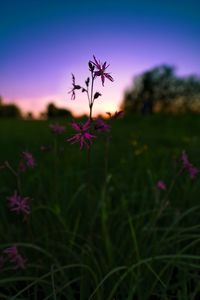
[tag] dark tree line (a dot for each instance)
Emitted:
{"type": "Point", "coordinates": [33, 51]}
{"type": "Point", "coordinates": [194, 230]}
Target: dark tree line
{"type": "Point", "coordinates": [13, 111]}
{"type": "Point", "coordinates": [9, 110]}
{"type": "Point", "coordinates": [160, 89]}
{"type": "Point", "coordinates": [55, 112]}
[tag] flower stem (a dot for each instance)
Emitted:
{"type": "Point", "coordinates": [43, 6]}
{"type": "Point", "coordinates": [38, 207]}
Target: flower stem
{"type": "Point", "coordinates": [16, 174]}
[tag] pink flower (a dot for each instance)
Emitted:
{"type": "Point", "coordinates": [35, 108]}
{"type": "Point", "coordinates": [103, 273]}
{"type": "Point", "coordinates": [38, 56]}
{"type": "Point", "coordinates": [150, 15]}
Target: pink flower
{"type": "Point", "coordinates": [18, 204]}
{"type": "Point", "coordinates": [75, 87]}
{"type": "Point", "coordinates": [101, 126]}
{"type": "Point", "coordinates": [161, 185]}
{"type": "Point", "coordinates": [188, 166]}
{"type": "Point", "coordinates": [118, 114]}
{"type": "Point", "coordinates": [100, 70]}
{"type": "Point", "coordinates": [83, 136]}
{"type": "Point", "coordinates": [57, 128]}
{"type": "Point", "coordinates": [14, 257]}
{"type": "Point", "coordinates": [27, 161]}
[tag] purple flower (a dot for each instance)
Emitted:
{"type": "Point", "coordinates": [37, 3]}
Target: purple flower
{"type": "Point", "coordinates": [118, 114]}
{"type": "Point", "coordinates": [14, 257]}
{"type": "Point", "coordinates": [101, 126]}
{"type": "Point", "coordinates": [27, 161]}
{"type": "Point", "coordinates": [19, 204]}
{"type": "Point", "coordinates": [83, 136]}
{"type": "Point", "coordinates": [188, 166]}
{"type": "Point", "coordinates": [75, 87]}
{"type": "Point", "coordinates": [100, 70]}
{"type": "Point", "coordinates": [161, 185]}
{"type": "Point", "coordinates": [57, 128]}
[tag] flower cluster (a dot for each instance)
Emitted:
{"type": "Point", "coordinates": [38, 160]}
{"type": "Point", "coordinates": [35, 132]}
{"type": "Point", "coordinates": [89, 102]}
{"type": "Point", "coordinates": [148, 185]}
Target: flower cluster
{"type": "Point", "coordinates": [83, 135]}
{"type": "Point", "coordinates": [161, 185]}
{"type": "Point", "coordinates": [117, 115]}
{"type": "Point", "coordinates": [192, 171]}
{"type": "Point", "coordinates": [86, 132]}
{"type": "Point", "coordinates": [100, 69]}
{"type": "Point", "coordinates": [57, 128]}
{"type": "Point", "coordinates": [19, 204]}
{"type": "Point", "coordinates": [13, 256]}
{"type": "Point", "coordinates": [101, 126]}
{"type": "Point", "coordinates": [27, 161]}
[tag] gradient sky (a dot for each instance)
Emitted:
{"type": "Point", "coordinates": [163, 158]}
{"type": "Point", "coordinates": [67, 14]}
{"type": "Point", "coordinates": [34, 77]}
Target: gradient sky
{"type": "Point", "coordinates": [43, 42]}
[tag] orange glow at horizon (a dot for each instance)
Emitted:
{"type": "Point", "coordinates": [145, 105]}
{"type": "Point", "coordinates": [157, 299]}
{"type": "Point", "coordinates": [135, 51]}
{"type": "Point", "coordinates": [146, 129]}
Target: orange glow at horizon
{"type": "Point", "coordinates": [110, 101]}
{"type": "Point", "coordinates": [77, 107]}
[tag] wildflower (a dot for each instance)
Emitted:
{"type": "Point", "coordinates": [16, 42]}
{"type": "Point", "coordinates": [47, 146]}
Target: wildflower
{"type": "Point", "coordinates": [188, 166]}
{"type": "Point", "coordinates": [83, 136]}
{"type": "Point", "coordinates": [161, 185]}
{"type": "Point", "coordinates": [87, 81]}
{"type": "Point", "coordinates": [100, 70]}
{"type": "Point", "coordinates": [118, 114]}
{"type": "Point", "coordinates": [101, 126]}
{"type": "Point", "coordinates": [109, 114]}
{"type": "Point", "coordinates": [15, 257]}
{"type": "Point", "coordinates": [28, 159]}
{"type": "Point", "coordinates": [57, 128]}
{"type": "Point", "coordinates": [19, 204]}
{"type": "Point", "coordinates": [97, 95]}
{"type": "Point", "coordinates": [75, 87]}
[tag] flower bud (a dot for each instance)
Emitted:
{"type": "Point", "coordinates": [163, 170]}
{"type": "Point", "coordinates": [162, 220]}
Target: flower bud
{"type": "Point", "coordinates": [87, 81]}
{"type": "Point", "coordinates": [91, 66]}
{"type": "Point", "coordinates": [97, 95]}
{"type": "Point", "coordinates": [77, 87]}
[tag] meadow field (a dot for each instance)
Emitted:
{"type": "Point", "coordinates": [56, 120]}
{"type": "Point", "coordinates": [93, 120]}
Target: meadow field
{"type": "Point", "coordinates": [102, 230]}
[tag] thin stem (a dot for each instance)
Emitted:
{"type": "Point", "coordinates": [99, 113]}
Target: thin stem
{"type": "Point", "coordinates": [89, 171]}
{"type": "Point", "coordinates": [106, 156]}
{"type": "Point", "coordinates": [165, 199]}
{"type": "Point", "coordinates": [55, 169]}
{"type": "Point", "coordinates": [88, 96]}
{"type": "Point", "coordinates": [91, 97]}
{"type": "Point", "coordinates": [16, 175]}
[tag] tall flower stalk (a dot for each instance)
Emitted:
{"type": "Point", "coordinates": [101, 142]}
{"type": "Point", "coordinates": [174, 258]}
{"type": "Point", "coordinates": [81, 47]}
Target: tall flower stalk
{"type": "Point", "coordinates": [86, 132]}
{"type": "Point", "coordinates": [97, 69]}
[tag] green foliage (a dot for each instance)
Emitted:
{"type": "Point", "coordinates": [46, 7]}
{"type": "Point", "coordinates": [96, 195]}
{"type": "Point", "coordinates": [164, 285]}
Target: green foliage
{"type": "Point", "coordinates": [108, 242]}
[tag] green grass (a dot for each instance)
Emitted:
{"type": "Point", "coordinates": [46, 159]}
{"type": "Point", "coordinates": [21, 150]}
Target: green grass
{"type": "Point", "coordinates": [117, 239]}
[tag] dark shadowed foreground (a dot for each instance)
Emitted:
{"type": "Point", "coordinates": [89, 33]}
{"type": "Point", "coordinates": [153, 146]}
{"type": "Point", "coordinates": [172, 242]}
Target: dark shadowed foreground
{"type": "Point", "coordinates": [129, 220]}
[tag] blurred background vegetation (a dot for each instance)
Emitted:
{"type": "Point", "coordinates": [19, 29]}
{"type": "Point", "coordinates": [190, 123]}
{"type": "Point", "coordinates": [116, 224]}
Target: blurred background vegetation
{"type": "Point", "coordinates": [161, 90]}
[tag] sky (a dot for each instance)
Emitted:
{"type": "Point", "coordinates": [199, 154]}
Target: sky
{"type": "Point", "coordinates": [43, 42]}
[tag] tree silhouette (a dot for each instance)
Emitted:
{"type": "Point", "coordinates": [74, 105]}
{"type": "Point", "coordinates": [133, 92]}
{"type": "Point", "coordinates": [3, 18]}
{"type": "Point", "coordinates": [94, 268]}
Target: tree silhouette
{"type": "Point", "coordinates": [55, 112]}
{"type": "Point", "coordinates": [161, 87]}
{"type": "Point", "coordinates": [9, 110]}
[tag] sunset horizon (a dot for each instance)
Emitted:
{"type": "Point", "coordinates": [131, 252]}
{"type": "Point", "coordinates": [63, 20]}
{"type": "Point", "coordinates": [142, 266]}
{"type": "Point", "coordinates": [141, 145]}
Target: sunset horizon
{"type": "Point", "coordinates": [43, 43]}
